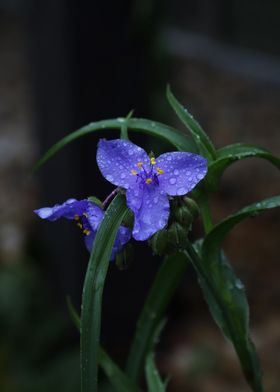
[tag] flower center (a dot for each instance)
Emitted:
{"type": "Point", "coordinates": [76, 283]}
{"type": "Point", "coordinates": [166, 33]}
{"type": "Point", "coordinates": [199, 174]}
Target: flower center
{"type": "Point", "coordinates": [149, 176]}
{"type": "Point", "coordinates": [82, 223]}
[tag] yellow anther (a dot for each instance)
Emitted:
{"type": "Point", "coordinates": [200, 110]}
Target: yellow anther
{"type": "Point", "coordinates": [76, 217]}
{"type": "Point", "coordinates": [149, 180]}
{"type": "Point", "coordinates": [159, 170]}
{"type": "Point", "coordinates": [153, 161]}
{"type": "Point", "coordinates": [133, 172]}
{"type": "Point", "coordinates": [140, 164]}
{"type": "Point", "coordinates": [85, 214]}
{"type": "Point", "coordinates": [80, 225]}
{"type": "Point", "coordinates": [86, 232]}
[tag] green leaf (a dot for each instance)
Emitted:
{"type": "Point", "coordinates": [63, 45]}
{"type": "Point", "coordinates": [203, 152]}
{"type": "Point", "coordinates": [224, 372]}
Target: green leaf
{"type": "Point", "coordinates": [224, 292]}
{"type": "Point", "coordinates": [155, 384]}
{"type": "Point", "coordinates": [225, 296]}
{"type": "Point", "coordinates": [232, 153]}
{"type": "Point", "coordinates": [118, 379]}
{"type": "Point", "coordinates": [93, 290]}
{"type": "Point", "coordinates": [169, 134]}
{"type": "Point", "coordinates": [213, 240]}
{"type": "Point", "coordinates": [203, 142]}
{"type": "Point", "coordinates": [159, 296]}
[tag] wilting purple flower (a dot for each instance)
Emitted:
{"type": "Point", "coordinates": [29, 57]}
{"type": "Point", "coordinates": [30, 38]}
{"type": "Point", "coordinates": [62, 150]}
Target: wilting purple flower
{"type": "Point", "coordinates": [149, 181]}
{"type": "Point", "coordinates": [88, 217]}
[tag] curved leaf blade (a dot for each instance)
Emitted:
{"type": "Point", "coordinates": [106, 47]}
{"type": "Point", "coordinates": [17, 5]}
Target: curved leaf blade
{"type": "Point", "coordinates": [233, 153]}
{"type": "Point", "coordinates": [225, 294]}
{"type": "Point", "coordinates": [203, 142]}
{"type": "Point", "coordinates": [153, 128]}
{"type": "Point", "coordinates": [215, 237]}
{"type": "Point", "coordinates": [228, 305]}
{"type": "Point", "coordinates": [116, 376]}
{"type": "Point", "coordinates": [93, 290]}
{"type": "Point", "coordinates": [155, 384]}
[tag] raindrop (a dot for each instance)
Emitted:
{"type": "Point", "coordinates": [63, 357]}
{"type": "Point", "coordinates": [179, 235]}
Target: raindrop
{"type": "Point", "coordinates": [110, 178]}
{"type": "Point", "coordinates": [181, 191]}
{"type": "Point", "coordinates": [130, 152]}
{"type": "Point", "coordinates": [123, 175]}
{"type": "Point", "coordinates": [176, 172]}
{"type": "Point", "coordinates": [238, 284]}
{"type": "Point", "coordinates": [200, 176]}
{"type": "Point", "coordinates": [172, 181]}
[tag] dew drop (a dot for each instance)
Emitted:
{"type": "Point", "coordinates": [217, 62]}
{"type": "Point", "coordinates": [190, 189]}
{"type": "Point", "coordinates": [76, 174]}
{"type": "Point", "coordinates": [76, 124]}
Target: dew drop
{"type": "Point", "coordinates": [155, 199]}
{"type": "Point", "coordinates": [110, 178]}
{"type": "Point", "coordinates": [200, 176]}
{"type": "Point", "coordinates": [181, 191]}
{"type": "Point", "coordinates": [168, 158]}
{"type": "Point", "coordinates": [176, 172]}
{"type": "Point", "coordinates": [238, 284]}
{"type": "Point", "coordinates": [130, 152]}
{"type": "Point", "coordinates": [123, 175]}
{"type": "Point", "coordinates": [172, 181]}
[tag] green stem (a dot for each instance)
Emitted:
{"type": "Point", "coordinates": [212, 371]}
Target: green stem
{"type": "Point", "coordinates": [205, 213]}
{"type": "Point", "coordinates": [159, 296]}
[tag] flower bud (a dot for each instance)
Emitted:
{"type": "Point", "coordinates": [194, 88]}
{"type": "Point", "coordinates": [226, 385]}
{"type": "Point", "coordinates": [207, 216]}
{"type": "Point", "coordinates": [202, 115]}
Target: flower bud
{"type": "Point", "coordinates": [191, 205]}
{"type": "Point", "coordinates": [177, 237]}
{"type": "Point", "coordinates": [159, 242]}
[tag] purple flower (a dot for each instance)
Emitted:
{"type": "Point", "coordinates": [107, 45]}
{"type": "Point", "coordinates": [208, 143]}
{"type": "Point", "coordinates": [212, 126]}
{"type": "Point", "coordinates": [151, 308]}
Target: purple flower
{"type": "Point", "coordinates": [149, 181]}
{"type": "Point", "coordinates": [88, 217]}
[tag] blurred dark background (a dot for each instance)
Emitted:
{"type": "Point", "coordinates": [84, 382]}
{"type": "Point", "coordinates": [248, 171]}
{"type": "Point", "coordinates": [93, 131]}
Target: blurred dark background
{"type": "Point", "coordinates": [67, 63]}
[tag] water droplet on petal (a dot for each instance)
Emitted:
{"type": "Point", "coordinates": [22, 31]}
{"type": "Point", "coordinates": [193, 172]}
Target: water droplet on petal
{"type": "Point", "coordinates": [181, 191]}
{"type": "Point", "coordinates": [123, 175]}
{"type": "Point", "coordinates": [110, 178]}
{"type": "Point", "coordinates": [200, 176]}
{"type": "Point", "coordinates": [155, 199]}
{"type": "Point", "coordinates": [176, 172]}
{"type": "Point", "coordinates": [130, 152]}
{"type": "Point", "coordinates": [172, 181]}
{"type": "Point", "coordinates": [168, 158]}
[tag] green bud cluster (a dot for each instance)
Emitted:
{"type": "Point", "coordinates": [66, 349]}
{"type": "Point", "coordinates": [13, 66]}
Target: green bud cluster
{"type": "Point", "coordinates": [174, 237]}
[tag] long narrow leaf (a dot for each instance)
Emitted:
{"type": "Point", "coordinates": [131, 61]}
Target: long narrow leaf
{"type": "Point", "coordinates": [201, 139]}
{"type": "Point", "coordinates": [169, 134]}
{"type": "Point", "coordinates": [160, 294]}
{"type": "Point", "coordinates": [213, 240]}
{"type": "Point", "coordinates": [232, 153]}
{"type": "Point", "coordinates": [155, 384]}
{"type": "Point", "coordinates": [225, 294]}
{"type": "Point", "coordinates": [228, 305]}
{"type": "Point", "coordinates": [93, 290]}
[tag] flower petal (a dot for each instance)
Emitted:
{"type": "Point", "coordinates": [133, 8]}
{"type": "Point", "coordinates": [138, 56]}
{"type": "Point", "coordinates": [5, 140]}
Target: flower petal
{"type": "Point", "coordinates": [88, 239]}
{"type": "Point", "coordinates": [94, 216]}
{"type": "Point", "coordinates": [68, 210]}
{"type": "Point", "coordinates": [151, 210]}
{"type": "Point", "coordinates": [116, 158]}
{"type": "Point", "coordinates": [182, 171]}
{"type": "Point", "coordinates": [123, 236]}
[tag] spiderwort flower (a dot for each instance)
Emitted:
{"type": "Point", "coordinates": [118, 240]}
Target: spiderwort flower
{"type": "Point", "coordinates": [88, 217]}
{"type": "Point", "coordinates": [149, 181]}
